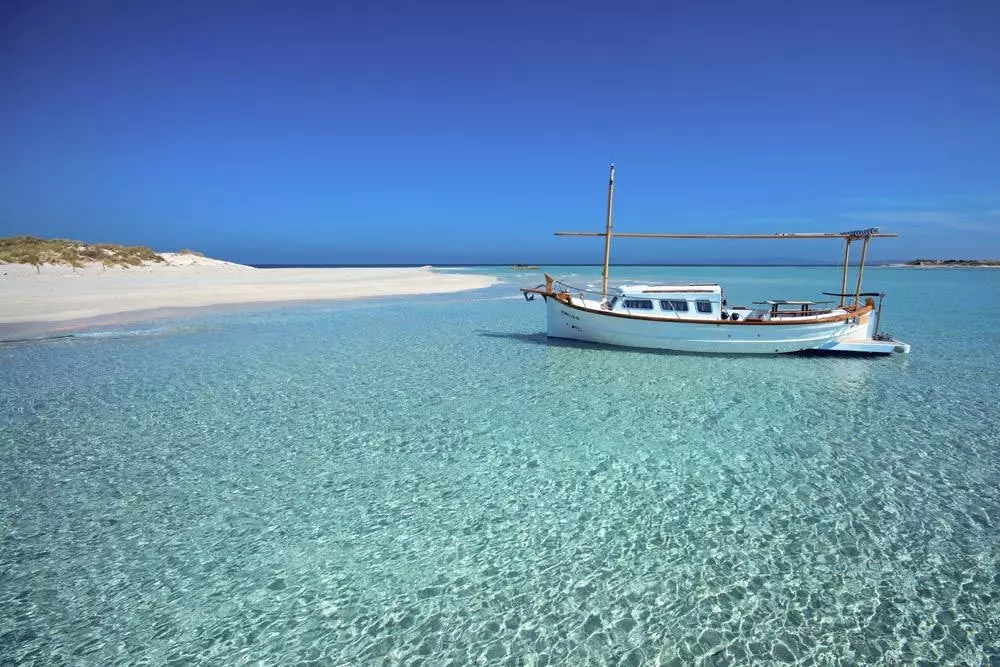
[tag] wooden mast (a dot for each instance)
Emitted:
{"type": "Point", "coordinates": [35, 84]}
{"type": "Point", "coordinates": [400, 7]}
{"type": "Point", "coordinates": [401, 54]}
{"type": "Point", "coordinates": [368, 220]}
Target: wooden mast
{"type": "Point", "coordinates": [607, 236]}
{"type": "Point", "coordinates": [861, 270]}
{"type": "Point", "coordinates": [843, 280]}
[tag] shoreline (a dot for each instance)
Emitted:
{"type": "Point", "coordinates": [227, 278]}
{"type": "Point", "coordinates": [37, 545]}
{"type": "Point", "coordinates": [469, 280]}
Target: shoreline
{"type": "Point", "coordinates": [59, 298]}
{"type": "Point", "coordinates": [23, 332]}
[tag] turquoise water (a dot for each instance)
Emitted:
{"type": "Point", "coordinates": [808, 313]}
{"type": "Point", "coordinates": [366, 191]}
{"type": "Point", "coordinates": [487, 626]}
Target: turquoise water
{"type": "Point", "coordinates": [428, 481]}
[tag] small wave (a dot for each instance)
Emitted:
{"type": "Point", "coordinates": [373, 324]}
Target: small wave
{"type": "Point", "coordinates": [96, 335]}
{"type": "Point", "coordinates": [498, 298]}
{"type": "Point", "coordinates": [122, 333]}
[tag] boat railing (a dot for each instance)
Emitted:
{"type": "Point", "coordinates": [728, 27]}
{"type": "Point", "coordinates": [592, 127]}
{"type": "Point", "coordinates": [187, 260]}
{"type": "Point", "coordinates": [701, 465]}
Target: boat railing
{"type": "Point", "coordinates": [804, 308]}
{"type": "Point", "coordinates": [614, 293]}
{"type": "Point", "coordinates": [774, 313]}
{"type": "Point", "coordinates": [800, 313]}
{"type": "Point", "coordinates": [573, 290]}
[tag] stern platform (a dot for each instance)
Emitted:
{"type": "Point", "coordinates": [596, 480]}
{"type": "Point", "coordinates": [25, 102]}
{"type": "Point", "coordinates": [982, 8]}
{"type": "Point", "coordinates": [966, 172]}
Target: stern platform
{"type": "Point", "coordinates": [884, 346]}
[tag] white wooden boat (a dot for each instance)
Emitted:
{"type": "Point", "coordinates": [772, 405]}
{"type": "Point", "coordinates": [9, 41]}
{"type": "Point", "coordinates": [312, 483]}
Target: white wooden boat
{"type": "Point", "coordinates": [697, 317]}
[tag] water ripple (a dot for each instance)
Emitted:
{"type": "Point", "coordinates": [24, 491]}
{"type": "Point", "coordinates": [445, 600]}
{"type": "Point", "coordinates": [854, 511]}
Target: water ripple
{"type": "Point", "coordinates": [383, 485]}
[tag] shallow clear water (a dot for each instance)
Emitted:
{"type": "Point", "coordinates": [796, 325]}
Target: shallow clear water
{"type": "Point", "coordinates": [429, 481]}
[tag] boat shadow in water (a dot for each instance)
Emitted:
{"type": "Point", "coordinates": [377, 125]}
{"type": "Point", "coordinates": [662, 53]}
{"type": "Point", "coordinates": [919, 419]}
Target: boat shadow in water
{"type": "Point", "coordinates": [542, 339]}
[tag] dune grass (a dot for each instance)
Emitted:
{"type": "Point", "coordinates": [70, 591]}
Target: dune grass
{"type": "Point", "coordinates": [36, 251]}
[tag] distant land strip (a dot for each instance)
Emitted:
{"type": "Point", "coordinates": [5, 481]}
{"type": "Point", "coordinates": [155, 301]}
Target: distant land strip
{"type": "Point", "coordinates": [954, 262]}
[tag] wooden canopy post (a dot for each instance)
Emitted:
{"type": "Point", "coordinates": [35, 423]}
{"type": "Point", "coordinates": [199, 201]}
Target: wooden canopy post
{"type": "Point", "coordinates": [843, 280]}
{"type": "Point", "coordinates": [861, 269]}
{"type": "Point", "coordinates": [607, 236]}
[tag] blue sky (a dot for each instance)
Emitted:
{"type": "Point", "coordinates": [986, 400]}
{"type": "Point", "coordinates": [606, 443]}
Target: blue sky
{"type": "Point", "coordinates": [354, 132]}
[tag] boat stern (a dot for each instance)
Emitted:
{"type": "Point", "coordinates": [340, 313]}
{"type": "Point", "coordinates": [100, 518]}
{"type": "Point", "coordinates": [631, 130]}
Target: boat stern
{"type": "Point", "coordinates": [865, 338]}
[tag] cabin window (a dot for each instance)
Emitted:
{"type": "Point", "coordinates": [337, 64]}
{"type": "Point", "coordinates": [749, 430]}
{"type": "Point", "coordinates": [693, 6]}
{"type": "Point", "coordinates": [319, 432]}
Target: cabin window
{"type": "Point", "coordinates": [639, 304]}
{"type": "Point", "coordinates": [704, 306]}
{"type": "Point", "coordinates": [679, 306]}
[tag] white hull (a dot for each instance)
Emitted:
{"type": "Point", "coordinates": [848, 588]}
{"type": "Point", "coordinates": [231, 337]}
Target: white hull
{"type": "Point", "coordinates": [575, 323]}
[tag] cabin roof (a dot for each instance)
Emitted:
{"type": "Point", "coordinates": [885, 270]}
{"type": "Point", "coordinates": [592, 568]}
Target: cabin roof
{"type": "Point", "coordinates": [690, 288]}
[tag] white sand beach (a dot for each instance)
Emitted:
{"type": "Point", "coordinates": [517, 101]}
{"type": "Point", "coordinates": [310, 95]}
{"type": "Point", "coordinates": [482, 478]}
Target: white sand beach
{"type": "Point", "coordinates": [58, 294]}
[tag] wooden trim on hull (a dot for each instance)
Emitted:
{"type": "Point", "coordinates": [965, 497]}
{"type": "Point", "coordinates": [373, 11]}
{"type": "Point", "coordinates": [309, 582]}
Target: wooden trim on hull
{"type": "Point", "coordinates": [727, 348]}
{"type": "Point", "coordinates": [563, 298]}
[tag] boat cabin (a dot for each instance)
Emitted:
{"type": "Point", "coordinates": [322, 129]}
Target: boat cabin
{"type": "Point", "coordinates": [693, 301]}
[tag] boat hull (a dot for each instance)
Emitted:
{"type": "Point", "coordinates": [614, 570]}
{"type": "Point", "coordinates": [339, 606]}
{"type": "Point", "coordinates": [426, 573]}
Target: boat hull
{"type": "Point", "coordinates": [575, 323]}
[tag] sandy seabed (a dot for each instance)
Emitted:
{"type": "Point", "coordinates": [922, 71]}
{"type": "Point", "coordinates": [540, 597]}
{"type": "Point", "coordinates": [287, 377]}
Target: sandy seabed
{"type": "Point", "coordinates": [61, 295]}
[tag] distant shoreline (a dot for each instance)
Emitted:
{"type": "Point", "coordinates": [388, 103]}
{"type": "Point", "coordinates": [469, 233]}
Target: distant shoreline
{"type": "Point", "coordinates": [953, 263]}
{"type": "Point", "coordinates": [943, 266]}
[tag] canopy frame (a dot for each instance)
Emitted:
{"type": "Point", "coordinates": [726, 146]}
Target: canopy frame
{"type": "Point", "coordinates": [864, 235]}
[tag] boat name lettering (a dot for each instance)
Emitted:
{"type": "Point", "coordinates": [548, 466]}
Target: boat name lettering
{"type": "Point", "coordinates": [575, 317]}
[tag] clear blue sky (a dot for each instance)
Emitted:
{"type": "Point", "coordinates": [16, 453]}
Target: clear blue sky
{"type": "Point", "coordinates": [367, 132]}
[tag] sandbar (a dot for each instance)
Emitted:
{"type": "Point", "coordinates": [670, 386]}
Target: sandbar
{"type": "Point", "coordinates": [61, 294]}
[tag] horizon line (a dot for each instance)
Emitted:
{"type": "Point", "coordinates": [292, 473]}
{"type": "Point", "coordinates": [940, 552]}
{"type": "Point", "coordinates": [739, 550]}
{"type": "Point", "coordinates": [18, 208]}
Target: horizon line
{"type": "Point", "coordinates": [285, 265]}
